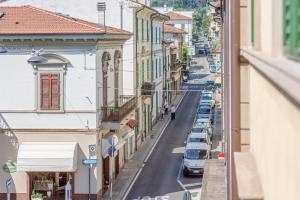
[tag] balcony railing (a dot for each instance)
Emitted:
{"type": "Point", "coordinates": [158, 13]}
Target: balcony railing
{"type": "Point", "coordinates": [148, 89]}
{"type": "Point", "coordinates": [116, 114]}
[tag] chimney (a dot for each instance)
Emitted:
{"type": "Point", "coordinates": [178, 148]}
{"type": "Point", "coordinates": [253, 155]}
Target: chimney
{"type": "Point", "coordinates": [101, 8]}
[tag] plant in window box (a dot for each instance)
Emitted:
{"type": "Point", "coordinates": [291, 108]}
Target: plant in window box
{"type": "Point", "coordinates": [36, 195]}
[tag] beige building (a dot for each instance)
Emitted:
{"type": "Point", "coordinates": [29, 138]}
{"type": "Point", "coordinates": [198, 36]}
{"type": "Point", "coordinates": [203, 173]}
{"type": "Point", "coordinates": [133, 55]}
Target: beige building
{"type": "Point", "coordinates": [262, 112]}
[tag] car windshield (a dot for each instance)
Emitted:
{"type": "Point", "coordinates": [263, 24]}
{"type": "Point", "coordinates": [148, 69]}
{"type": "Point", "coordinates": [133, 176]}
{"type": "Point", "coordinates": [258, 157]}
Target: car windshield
{"type": "Point", "coordinates": [203, 140]}
{"type": "Point", "coordinates": [203, 124]}
{"type": "Point", "coordinates": [196, 130]}
{"type": "Point", "coordinates": [195, 154]}
{"type": "Point", "coordinates": [204, 110]}
{"type": "Point", "coordinates": [206, 97]}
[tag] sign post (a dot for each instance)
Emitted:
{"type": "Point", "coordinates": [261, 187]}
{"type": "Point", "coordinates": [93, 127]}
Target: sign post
{"type": "Point", "coordinates": [8, 186]}
{"type": "Point", "coordinates": [113, 141]}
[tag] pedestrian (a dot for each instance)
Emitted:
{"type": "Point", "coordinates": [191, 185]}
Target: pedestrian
{"type": "Point", "coordinates": [173, 110]}
{"type": "Point", "coordinates": [166, 108]}
{"type": "Point", "coordinates": [162, 110]}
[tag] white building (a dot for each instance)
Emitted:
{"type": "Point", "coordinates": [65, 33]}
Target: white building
{"type": "Point", "coordinates": [184, 22]}
{"type": "Point", "coordinates": [50, 107]}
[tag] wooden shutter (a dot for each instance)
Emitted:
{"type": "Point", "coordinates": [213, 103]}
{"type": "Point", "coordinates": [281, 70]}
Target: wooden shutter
{"type": "Point", "coordinates": [50, 92]}
{"type": "Point", "coordinates": [55, 92]}
{"type": "Point", "coordinates": [44, 92]}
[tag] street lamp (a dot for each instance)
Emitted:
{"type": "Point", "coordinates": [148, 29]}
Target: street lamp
{"type": "Point", "coordinates": [37, 59]}
{"type": "Point", "coordinates": [3, 49]}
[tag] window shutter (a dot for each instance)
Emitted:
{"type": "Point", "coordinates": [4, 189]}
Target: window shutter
{"type": "Point", "coordinates": [291, 30]}
{"type": "Point", "coordinates": [55, 92]}
{"type": "Point", "coordinates": [44, 92]}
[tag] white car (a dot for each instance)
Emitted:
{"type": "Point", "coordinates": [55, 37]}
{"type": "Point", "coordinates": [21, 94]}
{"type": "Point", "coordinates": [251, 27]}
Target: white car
{"type": "Point", "coordinates": [202, 137]}
{"type": "Point", "coordinates": [194, 158]}
{"type": "Point", "coordinates": [203, 125]}
{"type": "Point", "coordinates": [207, 98]}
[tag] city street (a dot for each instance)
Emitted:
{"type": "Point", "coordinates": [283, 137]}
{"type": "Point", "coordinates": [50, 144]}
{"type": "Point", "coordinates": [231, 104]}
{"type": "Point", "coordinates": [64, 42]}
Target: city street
{"type": "Point", "coordinates": [161, 177]}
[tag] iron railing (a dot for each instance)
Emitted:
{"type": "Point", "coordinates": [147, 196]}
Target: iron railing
{"type": "Point", "coordinates": [117, 113]}
{"type": "Point", "coordinates": [148, 89]}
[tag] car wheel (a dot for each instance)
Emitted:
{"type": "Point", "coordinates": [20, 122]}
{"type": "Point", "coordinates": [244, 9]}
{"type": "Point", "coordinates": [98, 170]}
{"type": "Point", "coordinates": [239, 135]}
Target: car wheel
{"type": "Point", "coordinates": [185, 173]}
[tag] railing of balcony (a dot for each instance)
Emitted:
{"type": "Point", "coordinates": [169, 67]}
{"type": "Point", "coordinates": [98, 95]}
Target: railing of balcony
{"type": "Point", "coordinates": [148, 89]}
{"type": "Point", "coordinates": [116, 114]}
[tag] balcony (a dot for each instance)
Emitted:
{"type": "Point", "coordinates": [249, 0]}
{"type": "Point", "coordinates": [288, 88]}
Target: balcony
{"type": "Point", "coordinates": [148, 89]}
{"type": "Point", "coordinates": [176, 67]}
{"type": "Point", "coordinates": [118, 113]}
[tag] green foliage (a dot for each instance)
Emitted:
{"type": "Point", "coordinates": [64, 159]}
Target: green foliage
{"type": "Point", "coordinates": [36, 195]}
{"type": "Point", "coordinates": [179, 3]}
{"type": "Point", "coordinates": [201, 21]}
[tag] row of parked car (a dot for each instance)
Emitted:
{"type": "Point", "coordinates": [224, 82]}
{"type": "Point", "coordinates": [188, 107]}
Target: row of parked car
{"type": "Point", "coordinates": [199, 140]}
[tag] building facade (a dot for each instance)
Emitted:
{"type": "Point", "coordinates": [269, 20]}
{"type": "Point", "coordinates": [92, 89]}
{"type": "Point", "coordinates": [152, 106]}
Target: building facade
{"type": "Point", "coordinates": [53, 78]}
{"type": "Point", "coordinates": [262, 59]}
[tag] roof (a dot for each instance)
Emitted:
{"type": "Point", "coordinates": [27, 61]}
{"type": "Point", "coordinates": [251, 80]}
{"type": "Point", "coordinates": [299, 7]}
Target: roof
{"type": "Point", "coordinates": [176, 16]}
{"type": "Point", "coordinates": [196, 145]}
{"type": "Point", "coordinates": [198, 135]}
{"type": "Point", "coordinates": [31, 20]}
{"type": "Point", "coordinates": [172, 29]}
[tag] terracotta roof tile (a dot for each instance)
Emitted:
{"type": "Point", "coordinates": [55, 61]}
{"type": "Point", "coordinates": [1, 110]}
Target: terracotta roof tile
{"type": "Point", "coordinates": [31, 20]}
{"type": "Point", "coordinates": [172, 29]}
{"type": "Point", "coordinates": [177, 16]}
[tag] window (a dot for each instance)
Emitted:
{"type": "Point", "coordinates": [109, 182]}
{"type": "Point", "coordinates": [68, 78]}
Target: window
{"type": "Point", "coordinates": [137, 74]}
{"type": "Point", "coordinates": [159, 67]}
{"type": "Point", "coordinates": [148, 69]}
{"type": "Point", "coordinates": [156, 37]}
{"type": "Point", "coordinates": [49, 92]}
{"type": "Point", "coordinates": [137, 29]}
{"type": "Point", "coordinates": [159, 37]}
{"type": "Point", "coordinates": [143, 72]}
{"type": "Point", "coordinates": [147, 31]}
{"type": "Point", "coordinates": [143, 30]}
{"type": "Point", "coordinates": [291, 27]}
{"type": "Point", "coordinates": [156, 69]}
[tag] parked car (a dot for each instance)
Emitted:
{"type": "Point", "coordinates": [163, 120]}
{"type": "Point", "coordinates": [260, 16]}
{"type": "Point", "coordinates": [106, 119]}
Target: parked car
{"type": "Point", "coordinates": [185, 78]}
{"type": "Point", "coordinates": [201, 137]}
{"type": "Point", "coordinates": [207, 97]}
{"type": "Point", "coordinates": [204, 111]}
{"type": "Point", "coordinates": [213, 68]}
{"type": "Point", "coordinates": [194, 158]}
{"type": "Point", "coordinates": [203, 125]}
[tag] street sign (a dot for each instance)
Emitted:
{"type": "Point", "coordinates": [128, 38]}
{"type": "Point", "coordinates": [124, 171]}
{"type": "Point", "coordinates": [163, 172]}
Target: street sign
{"type": "Point", "coordinates": [89, 161]}
{"type": "Point", "coordinates": [113, 140]}
{"type": "Point", "coordinates": [92, 148]}
{"type": "Point", "coordinates": [112, 152]}
{"type": "Point", "coordinates": [8, 182]}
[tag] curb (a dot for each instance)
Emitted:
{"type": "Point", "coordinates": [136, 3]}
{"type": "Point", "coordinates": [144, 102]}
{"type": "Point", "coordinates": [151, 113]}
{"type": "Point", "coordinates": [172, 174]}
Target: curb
{"type": "Point", "coordinates": [150, 152]}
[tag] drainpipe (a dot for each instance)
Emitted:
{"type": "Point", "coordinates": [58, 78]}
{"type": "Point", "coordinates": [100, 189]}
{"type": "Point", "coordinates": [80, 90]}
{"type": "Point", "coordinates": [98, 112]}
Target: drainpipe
{"type": "Point", "coordinates": [232, 98]}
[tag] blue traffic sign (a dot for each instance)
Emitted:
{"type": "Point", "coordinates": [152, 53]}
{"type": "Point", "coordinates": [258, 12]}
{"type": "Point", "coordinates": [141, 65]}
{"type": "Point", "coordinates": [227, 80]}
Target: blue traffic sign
{"type": "Point", "coordinates": [8, 182]}
{"type": "Point", "coordinates": [89, 161]}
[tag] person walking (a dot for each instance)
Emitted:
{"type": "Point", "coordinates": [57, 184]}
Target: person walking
{"type": "Point", "coordinates": [173, 110]}
{"type": "Point", "coordinates": [166, 107]}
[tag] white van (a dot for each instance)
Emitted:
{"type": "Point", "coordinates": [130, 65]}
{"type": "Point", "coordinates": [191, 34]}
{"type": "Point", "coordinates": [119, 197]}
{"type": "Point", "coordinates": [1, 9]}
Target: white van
{"type": "Point", "coordinates": [194, 158]}
{"type": "Point", "coordinates": [202, 137]}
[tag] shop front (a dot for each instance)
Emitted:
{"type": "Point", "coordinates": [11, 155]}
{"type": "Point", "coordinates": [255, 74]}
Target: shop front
{"type": "Point", "coordinates": [50, 167]}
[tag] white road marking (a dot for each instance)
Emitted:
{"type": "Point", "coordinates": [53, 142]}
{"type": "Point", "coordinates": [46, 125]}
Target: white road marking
{"type": "Point", "coordinates": [192, 185]}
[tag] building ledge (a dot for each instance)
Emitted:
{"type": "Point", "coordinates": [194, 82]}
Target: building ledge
{"type": "Point", "coordinates": [282, 72]}
{"type": "Point", "coordinates": [214, 186]}
{"type": "Point", "coordinates": [249, 186]}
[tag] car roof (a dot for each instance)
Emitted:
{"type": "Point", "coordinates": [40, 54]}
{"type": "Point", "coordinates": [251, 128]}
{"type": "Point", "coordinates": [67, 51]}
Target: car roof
{"type": "Point", "coordinates": [198, 135]}
{"type": "Point", "coordinates": [196, 145]}
{"type": "Point", "coordinates": [201, 120]}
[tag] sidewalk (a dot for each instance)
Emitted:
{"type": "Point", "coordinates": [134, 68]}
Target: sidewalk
{"type": "Point", "coordinates": [134, 166]}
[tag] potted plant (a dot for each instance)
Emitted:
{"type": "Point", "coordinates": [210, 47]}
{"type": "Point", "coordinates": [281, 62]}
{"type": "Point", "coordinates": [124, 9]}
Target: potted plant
{"type": "Point", "coordinates": [36, 195]}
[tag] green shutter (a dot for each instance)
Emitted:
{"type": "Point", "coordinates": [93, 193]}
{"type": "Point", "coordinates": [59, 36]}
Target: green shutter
{"type": "Point", "coordinates": [143, 71]}
{"type": "Point", "coordinates": [291, 28]}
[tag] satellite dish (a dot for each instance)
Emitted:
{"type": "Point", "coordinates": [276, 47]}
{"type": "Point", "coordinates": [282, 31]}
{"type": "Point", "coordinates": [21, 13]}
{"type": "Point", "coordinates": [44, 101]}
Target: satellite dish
{"type": "Point", "coordinates": [37, 60]}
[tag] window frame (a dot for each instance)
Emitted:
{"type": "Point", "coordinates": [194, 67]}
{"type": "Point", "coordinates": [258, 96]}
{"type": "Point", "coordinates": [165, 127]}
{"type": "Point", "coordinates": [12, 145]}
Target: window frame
{"type": "Point", "coordinates": [61, 74]}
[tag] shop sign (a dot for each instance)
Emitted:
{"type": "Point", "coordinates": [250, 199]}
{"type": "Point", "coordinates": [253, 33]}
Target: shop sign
{"type": "Point", "coordinates": [89, 161]}
{"type": "Point", "coordinates": [9, 167]}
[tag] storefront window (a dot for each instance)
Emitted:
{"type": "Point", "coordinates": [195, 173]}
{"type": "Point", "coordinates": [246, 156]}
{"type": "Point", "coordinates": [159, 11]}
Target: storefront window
{"type": "Point", "coordinates": [50, 184]}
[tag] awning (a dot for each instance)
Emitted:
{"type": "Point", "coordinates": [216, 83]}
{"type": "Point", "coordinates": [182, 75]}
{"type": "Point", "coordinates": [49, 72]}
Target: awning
{"type": "Point", "coordinates": [176, 76]}
{"type": "Point", "coordinates": [47, 157]}
{"type": "Point", "coordinates": [218, 80]}
{"type": "Point", "coordinates": [132, 123]}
